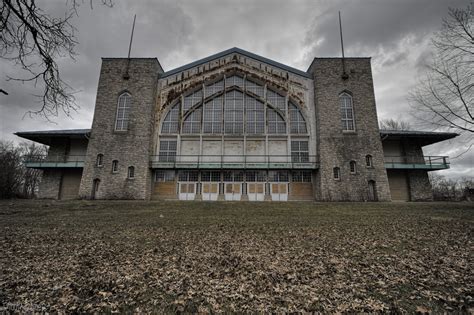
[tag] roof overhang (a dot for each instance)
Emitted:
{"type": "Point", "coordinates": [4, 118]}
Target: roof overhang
{"type": "Point", "coordinates": [47, 136]}
{"type": "Point", "coordinates": [422, 137]}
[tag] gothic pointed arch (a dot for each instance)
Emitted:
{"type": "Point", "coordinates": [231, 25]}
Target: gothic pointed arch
{"type": "Point", "coordinates": [234, 104]}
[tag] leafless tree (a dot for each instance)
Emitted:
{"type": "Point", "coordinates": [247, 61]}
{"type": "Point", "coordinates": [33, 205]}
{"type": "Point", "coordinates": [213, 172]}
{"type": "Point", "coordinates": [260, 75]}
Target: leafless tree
{"type": "Point", "coordinates": [444, 97]}
{"type": "Point", "coordinates": [392, 124]}
{"type": "Point", "coordinates": [16, 180]}
{"type": "Point", "coordinates": [31, 176]}
{"type": "Point", "coordinates": [34, 40]}
{"type": "Point", "coordinates": [449, 189]}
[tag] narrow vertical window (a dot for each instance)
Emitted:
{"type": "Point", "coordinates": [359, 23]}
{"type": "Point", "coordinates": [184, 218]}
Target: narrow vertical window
{"type": "Point", "coordinates": [297, 122]}
{"type": "Point", "coordinates": [347, 112]}
{"type": "Point", "coordinates": [234, 112]}
{"type": "Point", "coordinates": [100, 160]}
{"type": "Point", "coordinates": [131, 172]}
{"type": "Point", "coordinates": [114, 166]}
{"type": "Point", "coordinates": [353, 167]}
{"type": "Point", "coordinates": [336, 173]}
{"type": "Point", "coordinates": [255, 115]}
{"type": "Point", "coordinates": [212, 116]}
{"type": "Point", "coordinates": [299, 151]}
{"type": "Point", "coordinates": [368, 160]}
{"type": "Point", "coordinates": [170, 124]}
{"type": "Point", "coordinates": [123, 112]}
{"type": "Point", "coordinates": [167, 151]}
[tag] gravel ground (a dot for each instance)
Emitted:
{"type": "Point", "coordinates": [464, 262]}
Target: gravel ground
{"type": "Point", "coordinates": [123, 256]}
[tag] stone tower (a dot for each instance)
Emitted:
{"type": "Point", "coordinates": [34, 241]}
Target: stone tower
{"type": "Point", "coordinates": [138, 78]}
{"type": "Point", "coordinates": [335, 147]}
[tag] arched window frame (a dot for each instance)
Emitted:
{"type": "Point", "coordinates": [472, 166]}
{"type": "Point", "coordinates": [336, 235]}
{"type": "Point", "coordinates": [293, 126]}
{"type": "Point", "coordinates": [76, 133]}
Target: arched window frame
{"type": "Point", "coordinates": [99, 160]}
{"type": "Point", "coordinates": [131, 172]}
{"type": "Point", "coordinates": [346, 106]}
{"type": "Point", "coordinates": [124, 105]}
{"type": "Point", "coordinates": [171, 126]}
{"type": "Point", "coordinates": [369, 161]}
{"type": "Point", "coordinates": [336, 171]}
{"type": "Point", "coordinates": [353, 167]}
{"type": "Point", "coordinates": [276, 119]}
{"type": "Point", "coordinates": [115, 166]}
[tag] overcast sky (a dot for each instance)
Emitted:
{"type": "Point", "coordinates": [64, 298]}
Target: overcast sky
{"type": "Point", "coordinates": [395, 33]}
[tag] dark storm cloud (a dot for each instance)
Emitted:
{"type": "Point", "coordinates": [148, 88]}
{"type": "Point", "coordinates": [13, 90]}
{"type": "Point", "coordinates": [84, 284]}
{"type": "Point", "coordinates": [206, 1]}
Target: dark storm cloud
{"type": "Point", "coordinates": [396, 33]}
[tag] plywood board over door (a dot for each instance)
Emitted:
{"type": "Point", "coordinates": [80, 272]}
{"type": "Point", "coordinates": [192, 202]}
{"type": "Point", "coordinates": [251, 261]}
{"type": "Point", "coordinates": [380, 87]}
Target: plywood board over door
{"type": "Point", "coordinates": [399, 189]}
{"type": "Point", "coordinates": [70, 182]}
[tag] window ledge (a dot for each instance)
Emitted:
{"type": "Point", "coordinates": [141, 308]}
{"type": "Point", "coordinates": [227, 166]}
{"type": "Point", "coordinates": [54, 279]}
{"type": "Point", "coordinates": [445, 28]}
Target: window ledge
{"type": "Point", "coordinates": [349, 132]}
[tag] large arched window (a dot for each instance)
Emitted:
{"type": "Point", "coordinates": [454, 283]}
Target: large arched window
{"type": "Point", "coordinates": [347, 112]}
{"type": "Point", "coordinates": [123, 112]}
{"type": "Point", "coordinates": [237, 106]}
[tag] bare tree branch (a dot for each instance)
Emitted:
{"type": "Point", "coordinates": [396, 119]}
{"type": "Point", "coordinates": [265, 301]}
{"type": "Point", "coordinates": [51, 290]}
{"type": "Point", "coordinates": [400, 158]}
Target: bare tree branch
{"type": "Point", "coordinates": [444, 96]}
{"type": "Point", "coordinates": [34, 41]}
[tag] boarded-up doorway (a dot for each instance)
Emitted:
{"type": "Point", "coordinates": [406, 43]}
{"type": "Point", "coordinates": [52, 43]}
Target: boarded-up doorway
{"type": "Point", "coordinates": [70, 183]}
{"type": "Point", "coordinates": [399, 189]}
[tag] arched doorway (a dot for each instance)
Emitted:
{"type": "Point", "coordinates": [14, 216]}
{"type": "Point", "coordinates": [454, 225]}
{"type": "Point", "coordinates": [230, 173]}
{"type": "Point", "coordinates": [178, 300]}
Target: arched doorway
{"type": "Point", "coordinates": [95, 188]}
{"type": "Point", "coordinates": [372, 191]}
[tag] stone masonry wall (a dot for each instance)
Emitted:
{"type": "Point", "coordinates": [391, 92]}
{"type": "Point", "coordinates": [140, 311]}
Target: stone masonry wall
{"type": "Point", "coordinates": [337, 148]}
{"type": "Point", "coordinates": [50, 184]}
{"type": "Point", "coordinates": [131, 147]}
{"type": "Point", "coordinates": [420, 186]}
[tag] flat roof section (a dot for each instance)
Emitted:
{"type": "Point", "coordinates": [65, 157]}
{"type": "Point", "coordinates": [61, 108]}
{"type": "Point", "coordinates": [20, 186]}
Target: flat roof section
{"type": "Point", "coordinates": [45, 136]}
{"type": "Point", "coordinates": [423, 137]}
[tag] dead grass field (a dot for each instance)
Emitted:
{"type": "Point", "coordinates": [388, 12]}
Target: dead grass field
{"type": "Point", "coordinates": [208, 257]}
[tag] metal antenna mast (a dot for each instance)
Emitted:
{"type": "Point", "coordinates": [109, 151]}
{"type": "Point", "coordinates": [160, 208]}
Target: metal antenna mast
{"type": "Point", "coordinates": [345, 76]}
{"type": "Point", "coordinates": [126, 76]}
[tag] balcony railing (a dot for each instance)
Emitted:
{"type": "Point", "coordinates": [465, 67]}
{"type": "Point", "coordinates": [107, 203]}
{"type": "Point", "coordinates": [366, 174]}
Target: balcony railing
{"type": "Point", "coordinates": [417, 162]}
{"type": "Point", "coordinates": [52, 161]}
{"type": "Point", "coordinates": [296, 161]}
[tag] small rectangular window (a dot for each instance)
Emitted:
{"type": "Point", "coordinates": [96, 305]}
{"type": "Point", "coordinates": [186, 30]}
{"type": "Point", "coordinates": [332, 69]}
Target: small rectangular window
{"type": "Point", "coordinates": [164, 176]}
{"type": "Point", "coordinates": [337, 173]}
{"type": "Point", "coordinates": [352, 166]}
{"type": "Point", "coordinates": [188, 176]}
{"type": "Point", "coordinates": [131, 172]}
{"type": "Point", "coordinates": [301, 176]}
{"type": "Point", "coordinates": [114, 166]}
{"type": "Point", "coordinates": [167, 151]}
{"type": "Point", "coordinates": [299, 151]}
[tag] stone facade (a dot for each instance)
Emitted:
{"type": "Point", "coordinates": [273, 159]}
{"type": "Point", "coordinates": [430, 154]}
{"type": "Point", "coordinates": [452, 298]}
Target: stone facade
{"type": "Point", "coordinates": [131, 147]}
{"type": "Point", "coordinates": [420, 186]}
{"type": "Point", "coordinates": [50, 184]}
{"type": "Point", "coordinates": [314, 95]}
{"type": "Point", "coordinates": [335, 147]}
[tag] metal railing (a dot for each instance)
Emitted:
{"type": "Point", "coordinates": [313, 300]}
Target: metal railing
{"type": "Point", "coordinates": [417, 162]}
{"type": "Point", "coordinates": [43, 161]}
{"type": "Point", "coordinates": [295, 161]}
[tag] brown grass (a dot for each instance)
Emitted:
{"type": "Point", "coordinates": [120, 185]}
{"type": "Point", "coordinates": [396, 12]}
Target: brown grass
{"type": "Point", "coordinates": [204, 257]}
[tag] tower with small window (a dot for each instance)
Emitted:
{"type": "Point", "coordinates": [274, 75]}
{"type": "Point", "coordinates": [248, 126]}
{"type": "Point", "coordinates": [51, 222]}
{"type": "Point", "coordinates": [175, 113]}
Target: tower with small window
{"type": "Point", "coordinates": [348, 142]}
{"type": "Point", "coordinates": [118, 150]}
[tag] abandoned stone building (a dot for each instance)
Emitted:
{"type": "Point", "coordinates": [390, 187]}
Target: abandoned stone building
{"type": "Point", "coordinates": [236, 126]}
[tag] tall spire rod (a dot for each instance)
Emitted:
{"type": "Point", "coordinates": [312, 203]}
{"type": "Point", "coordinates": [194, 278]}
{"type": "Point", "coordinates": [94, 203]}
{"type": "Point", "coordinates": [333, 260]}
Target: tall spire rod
{"type": "Point", "coordinates": [126, 76]}
{"type": "Point", "coordinates": [344, 73]}
{"type": "Point", "coordinates": [133, 29]}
